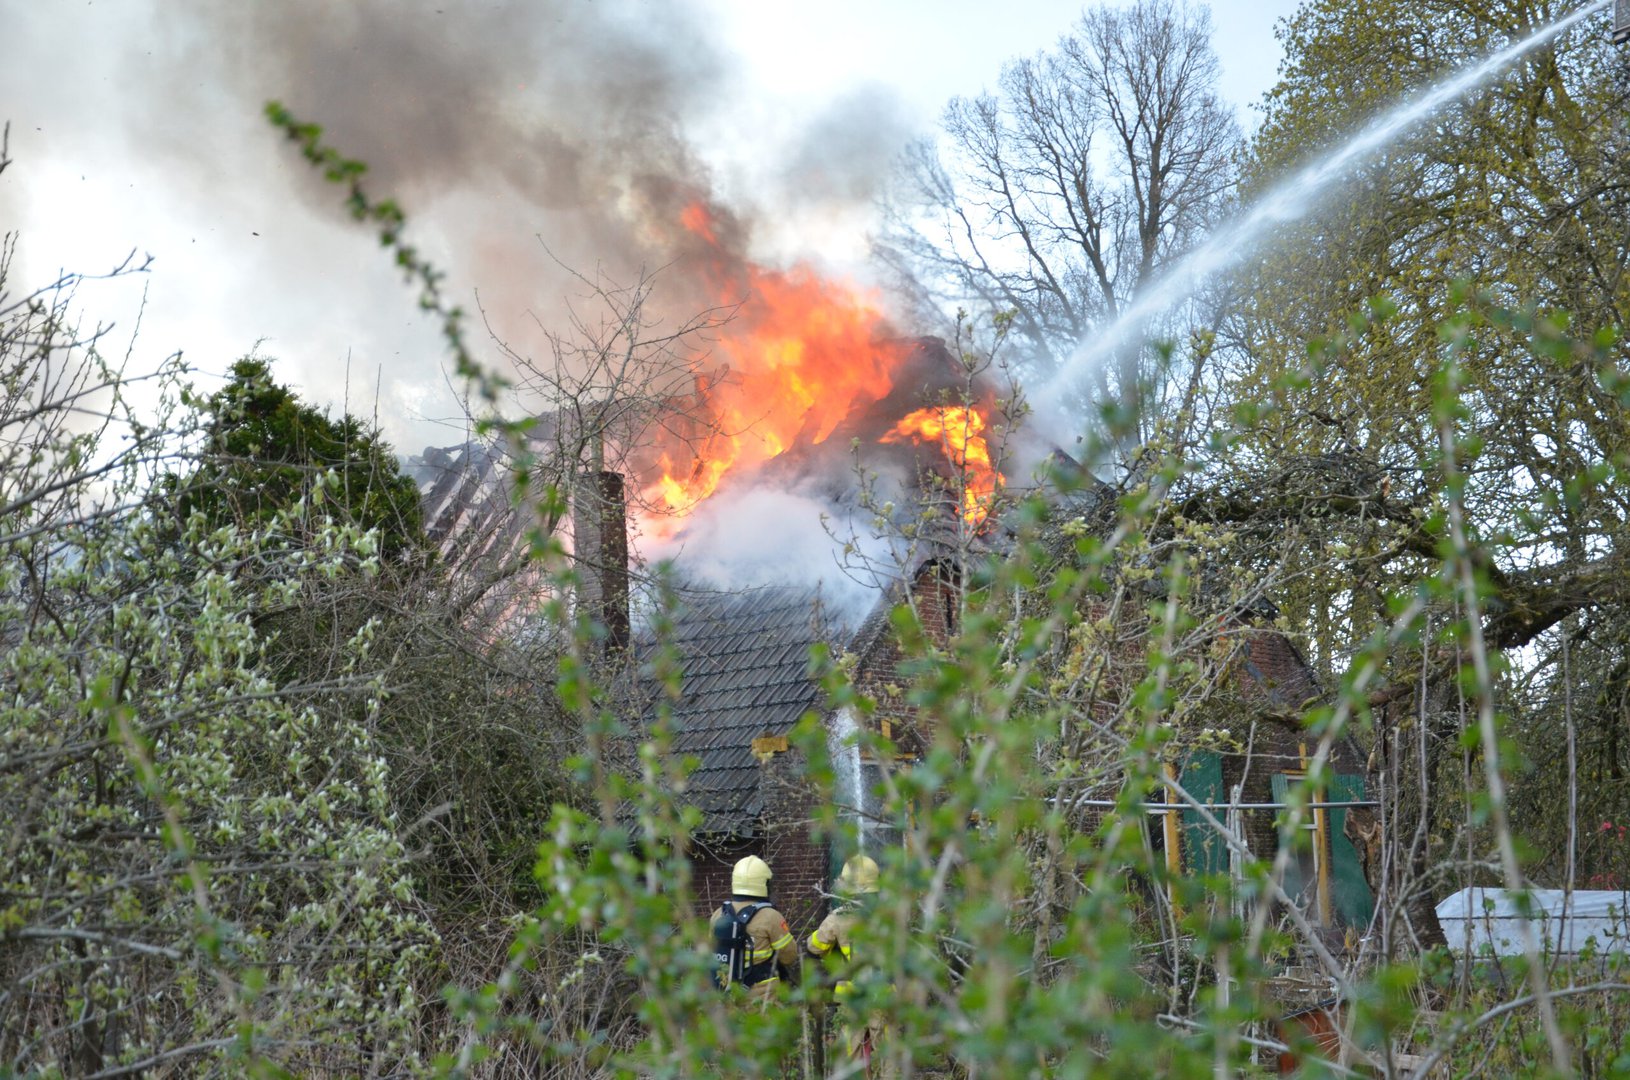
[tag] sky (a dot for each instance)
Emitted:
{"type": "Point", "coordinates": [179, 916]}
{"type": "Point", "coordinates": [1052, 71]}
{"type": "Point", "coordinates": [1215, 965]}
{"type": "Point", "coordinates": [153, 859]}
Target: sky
{"type": "Point", "coordinates": [515, 132]}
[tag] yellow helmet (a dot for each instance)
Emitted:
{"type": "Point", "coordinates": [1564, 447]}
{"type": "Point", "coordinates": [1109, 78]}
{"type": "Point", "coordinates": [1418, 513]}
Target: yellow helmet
{"type": "Point", "coordinates": [751, 877]}
{"type": "Point", "coordinates": [859, 875]}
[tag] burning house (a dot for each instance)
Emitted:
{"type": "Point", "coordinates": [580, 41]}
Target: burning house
{"type": "Point", "coordinates": [804, 390]}
{"type": "Point", "coordinates": [744, 663]}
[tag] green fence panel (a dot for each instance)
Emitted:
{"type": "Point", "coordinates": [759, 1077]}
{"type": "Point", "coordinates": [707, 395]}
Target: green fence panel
{"type": "Point", "coordinates": [1204, 850]}
{"type": "Point", "coordinates": [1352, 901]}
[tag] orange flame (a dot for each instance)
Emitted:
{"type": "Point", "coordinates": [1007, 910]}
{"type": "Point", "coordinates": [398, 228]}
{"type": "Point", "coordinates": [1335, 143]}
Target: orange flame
{"type": "Point", "coordinates": [803, 354]}
{"type": "Point", "coordinates": [802, 351]}
{"type": "Point", "coordinates": [697, 220]}
{"type": "Point", "coordinates": [959, 431]}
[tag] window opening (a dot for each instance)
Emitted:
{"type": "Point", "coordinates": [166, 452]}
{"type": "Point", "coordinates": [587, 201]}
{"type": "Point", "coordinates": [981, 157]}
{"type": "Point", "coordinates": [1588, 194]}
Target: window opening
{"type": "Point", "coordinates": [1307, 880]}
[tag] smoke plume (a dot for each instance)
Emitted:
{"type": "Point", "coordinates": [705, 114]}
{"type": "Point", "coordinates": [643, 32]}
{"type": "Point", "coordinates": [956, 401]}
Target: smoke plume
{"type": "Point", "coordinates": [525, 138]}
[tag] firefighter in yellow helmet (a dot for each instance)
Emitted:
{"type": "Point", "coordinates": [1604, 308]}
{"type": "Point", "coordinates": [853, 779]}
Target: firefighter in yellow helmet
{"type": "Point", "coordinates": [855, 888]}
{"type": "Point", "coordinates": [753, 949]}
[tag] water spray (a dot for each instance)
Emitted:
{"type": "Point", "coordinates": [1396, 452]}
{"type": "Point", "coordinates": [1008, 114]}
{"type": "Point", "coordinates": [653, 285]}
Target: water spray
{"type": "Point", "coordinates": [849, 772]}
{"type": "Point", "coordinates": [1228, 247]}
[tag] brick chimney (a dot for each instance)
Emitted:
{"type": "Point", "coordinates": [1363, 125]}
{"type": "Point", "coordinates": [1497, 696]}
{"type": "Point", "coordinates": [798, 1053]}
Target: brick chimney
{"type": "Point", "coordinates": [600, 540]}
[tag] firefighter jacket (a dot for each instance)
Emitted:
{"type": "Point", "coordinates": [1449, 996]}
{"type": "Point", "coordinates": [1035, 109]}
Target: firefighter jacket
{"type": "Point", "coordinates": [837, 932]}
{"type": "Point", "coordinates": [860, 1036]}
{"type": "Point", "coordinates": [766, 948]}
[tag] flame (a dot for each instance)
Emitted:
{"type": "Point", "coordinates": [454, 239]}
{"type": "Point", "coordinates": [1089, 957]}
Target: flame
{"type": "Point", "coordinates": [698, 221]}
{"type": "Point", "coordinates": [802, 354]}
{"type": "Point", "coordinates": [959, 431]}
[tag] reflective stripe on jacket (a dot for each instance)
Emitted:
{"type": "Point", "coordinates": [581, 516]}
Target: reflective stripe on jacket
{"type": "Point", "coordinates": [836, 932]}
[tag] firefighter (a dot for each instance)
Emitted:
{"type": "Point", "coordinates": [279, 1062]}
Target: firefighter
{"type": "Point", "coordinates": [855, 888]}
{"type": "Point", "coordinates": [753, 948]}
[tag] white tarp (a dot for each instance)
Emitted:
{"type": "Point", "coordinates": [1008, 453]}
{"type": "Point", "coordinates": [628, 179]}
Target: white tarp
{"type": "Point", "coordinates": [1483, 921]}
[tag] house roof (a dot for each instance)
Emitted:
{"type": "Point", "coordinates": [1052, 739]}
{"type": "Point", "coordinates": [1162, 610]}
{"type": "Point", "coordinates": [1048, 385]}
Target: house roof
{"type": "Point", "coordinates": [744, 672]}
{"type": "Point", "coordinates": [743, 667]}
{"type": "Point", "coordinates": [1279, 674]}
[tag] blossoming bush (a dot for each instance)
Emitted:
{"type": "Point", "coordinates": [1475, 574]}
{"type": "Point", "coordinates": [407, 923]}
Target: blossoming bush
{"type": "Point", "coordinates": [201, 860]}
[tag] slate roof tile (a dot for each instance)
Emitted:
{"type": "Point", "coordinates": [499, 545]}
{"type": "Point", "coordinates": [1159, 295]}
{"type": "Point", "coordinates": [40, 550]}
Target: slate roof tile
{"type": "Point", "coordinates": [744, 672]}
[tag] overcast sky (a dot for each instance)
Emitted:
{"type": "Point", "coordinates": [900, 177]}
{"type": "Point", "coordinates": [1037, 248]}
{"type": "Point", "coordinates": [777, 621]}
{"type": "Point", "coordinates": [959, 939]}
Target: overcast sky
{"type": "Point", "coordinates": [136, 125]}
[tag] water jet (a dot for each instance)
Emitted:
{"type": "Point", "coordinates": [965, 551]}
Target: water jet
{"type": "Point", "coordinates": [1229, 246]}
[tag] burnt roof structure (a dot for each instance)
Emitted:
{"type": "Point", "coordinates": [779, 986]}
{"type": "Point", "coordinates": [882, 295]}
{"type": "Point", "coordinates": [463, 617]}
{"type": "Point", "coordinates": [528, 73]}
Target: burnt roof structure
{"type": "Point", "coordinates": [463, 492]}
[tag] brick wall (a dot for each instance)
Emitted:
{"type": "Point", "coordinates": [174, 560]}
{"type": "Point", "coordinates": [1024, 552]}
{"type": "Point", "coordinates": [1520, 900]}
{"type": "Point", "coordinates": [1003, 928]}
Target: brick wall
{"type": "Point", "coordinates": [786, 841]}
{"type": "Point", "coordinates": [935, 595]}
{"type": "Point", "coordinates": [799, 859]}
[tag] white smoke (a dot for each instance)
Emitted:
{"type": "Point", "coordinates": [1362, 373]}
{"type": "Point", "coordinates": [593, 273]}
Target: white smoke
{"type": "Point", "coordinates": [745, 537]}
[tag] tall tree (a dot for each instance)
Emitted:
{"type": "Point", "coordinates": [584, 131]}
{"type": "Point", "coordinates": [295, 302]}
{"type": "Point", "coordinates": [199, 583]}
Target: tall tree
{"type": "Point", "coordinates": [1516, 196]}
{"type": "Point", "coordinates": [265, 450]}
{"type": "Point", "coordinates": [1518, 192]}
{"type": "Point", "coordinates": [1067, 190]}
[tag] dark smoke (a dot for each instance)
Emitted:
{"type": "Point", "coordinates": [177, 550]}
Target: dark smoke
{"type": "Point", "coordinates": [522, 135]}
{"type": "Point", "coordinates": [564, 119]}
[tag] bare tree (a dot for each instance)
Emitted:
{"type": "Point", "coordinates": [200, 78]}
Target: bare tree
{"type": "Point", "coordinates": [1068, 190]}
{"type": "Point", "coordinates": [67, 429]}
{"type": "Point", "coordinates": [621, 387]}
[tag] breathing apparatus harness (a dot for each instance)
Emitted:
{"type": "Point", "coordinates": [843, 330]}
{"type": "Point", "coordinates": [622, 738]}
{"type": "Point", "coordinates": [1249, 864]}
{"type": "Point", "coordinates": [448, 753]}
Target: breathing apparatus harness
{"type": "Point", "coordinates": [732, 946]}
